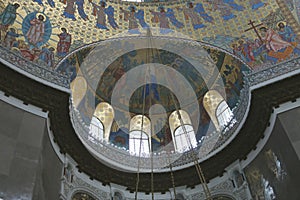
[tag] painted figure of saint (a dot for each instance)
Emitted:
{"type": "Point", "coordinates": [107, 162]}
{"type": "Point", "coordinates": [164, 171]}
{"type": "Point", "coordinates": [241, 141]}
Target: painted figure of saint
{"type": "Point", "coordinates": [110, 16]}
{"type": "Point", "coordinates": [10, 38]}
{"type": "Point", "coordinates": [273, 40]}
{"type": "Point", "coordinates": [140, 17]}
{"type": "Point", "coordinates": [194, 13]}
{"type": "Point", "coordinates": [245, 50]}
{"type": "Point", "coordinates": [174, 21]}
{"type": "Point", "coordinates": [163, 20]}
{"type": "Point", "coordinates": [50, 2]}
{"type": "Point", "coordinates": [134, 18]}
{"type": "Point", "coordinates": [286, 32]}
{"type": "Point", "coordinates": [100, 11]}
{"type": "Point", "coordinates": [36, 30]}
{"type": "Point", "coordinates": [64, 43]}
{"type": "Point", "coordinates": [80, 9]}
{"type": "Point", "coordinates": [224, 9]}
{"type": "Point", "coordinates": [8, 16]}
{"type": "Point", "coordinates": [69, 11]}
{"type": "Point", "coordinates": [47, 56]}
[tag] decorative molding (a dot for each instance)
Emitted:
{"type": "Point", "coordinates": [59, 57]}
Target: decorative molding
{"type": "Point", "coordinates": [56, 102]}
{"type": "Point", "coordinates": [41, 73]}
{"type": "Point", "coordinates": [273, 73]}
{"type": "Point", "coordinates": [79, 185]}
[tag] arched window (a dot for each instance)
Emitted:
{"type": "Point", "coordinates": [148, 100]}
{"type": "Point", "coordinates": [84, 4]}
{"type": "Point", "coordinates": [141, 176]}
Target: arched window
{"type": "Point", "coordinates": [78, 88]}
{"type": "Point", "coordinates": [224, 114]}
{"type": "Point", "coordinates": [118, 196]}
{"type": "Point", "coordinates": [96, 130]}
{"type": "Point", "coordinates": [238, 178]}
{"type": "Point", "coordinates": [217, 109]}
{"type": "Point", "coordinates": [105, 113]}
{"type": "Point", "coordinates": [140, 136]}
{"type": "Point", "coordinates": [183, 133]}
{"type": "Point", "coordinates": [82, 195]}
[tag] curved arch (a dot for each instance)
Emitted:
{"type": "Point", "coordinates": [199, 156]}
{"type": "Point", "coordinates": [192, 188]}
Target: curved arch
{"type": "Point", "coordinates": [105, 113]}
{"type": "Point", "coordinates": [238, 178]}
{"type": "Point", "coordinates": [118, 196]}
{"type": "Point", "coordinates": [80, 194]}
{"type": "Point", "coordinates": [96, 130]}
{"type": "Point", "coordinates": [140, 136]}
{"type": "Point", "coordinates": [223, 114]}
{"type": "Point", "coordinates": [217, 109]}
{"type": "Point", "coordinates": [183, 134]}
{"type": "Point", "coordinates": [78, 87]}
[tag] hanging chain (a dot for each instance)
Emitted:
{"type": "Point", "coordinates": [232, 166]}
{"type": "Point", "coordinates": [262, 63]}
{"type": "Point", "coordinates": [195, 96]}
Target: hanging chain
{"type": "Point", "coordinates": [140, 148]}
{"type": "Point", "coordinates": [142, 126]}
{"type": "Point", "coordinates": [195, 159]}
{"type": "Point", "coordinates": [147, 61]}
{"type": "Point", "coordinates": [172, 176]}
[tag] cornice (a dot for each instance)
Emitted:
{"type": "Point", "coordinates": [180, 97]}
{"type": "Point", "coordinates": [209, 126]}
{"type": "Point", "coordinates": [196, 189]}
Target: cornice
{"type": "Point", "coordinates": [263, 100]}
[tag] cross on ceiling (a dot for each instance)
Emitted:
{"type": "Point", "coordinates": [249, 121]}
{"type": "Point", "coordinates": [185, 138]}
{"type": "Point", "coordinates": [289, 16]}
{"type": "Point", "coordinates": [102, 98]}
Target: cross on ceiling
{"type": "Point", "coordinates": [254, 27]}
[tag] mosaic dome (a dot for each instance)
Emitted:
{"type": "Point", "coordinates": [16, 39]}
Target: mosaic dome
{"type": "Point", "coordinates": [163, 87]}
{"type": "Point", "coordinates": [178, 94]}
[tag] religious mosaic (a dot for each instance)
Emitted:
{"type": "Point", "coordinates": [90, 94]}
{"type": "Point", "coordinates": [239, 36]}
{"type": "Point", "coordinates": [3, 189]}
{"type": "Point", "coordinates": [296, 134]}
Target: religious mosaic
{"type": "Point", "coordinates": [260, 32]}
{"type": "Point", "coordinates": [225, 76]}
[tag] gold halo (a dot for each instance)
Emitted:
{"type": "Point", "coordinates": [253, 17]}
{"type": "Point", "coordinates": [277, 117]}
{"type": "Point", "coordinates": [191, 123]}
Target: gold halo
{"type": "Point", "coordinates": [281, 22]}
{"type": "Point", "coordinates": [37, 16]}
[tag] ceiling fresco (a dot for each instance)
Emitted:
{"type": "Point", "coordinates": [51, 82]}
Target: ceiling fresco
{"type": "Point", "coordinates": [259, 32]}
{"type": "Point", "coordinates": [154, 78]}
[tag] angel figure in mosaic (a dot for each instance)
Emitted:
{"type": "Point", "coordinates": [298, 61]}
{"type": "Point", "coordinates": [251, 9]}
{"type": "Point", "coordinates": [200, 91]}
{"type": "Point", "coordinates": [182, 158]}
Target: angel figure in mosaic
{"type": "Point", "coordinates": [110, 16]}
{"type": "Point", "coordinates": [194, 13]}
{"type": "Point", "coordinates": [224, 9]}
{"type": "Point", "coordinates": [50, 2]}
{"type": "Point", "coordinates": [100, 12]}
{"type": "Point", "coordinates": [163, 19]}
{"type": "Point", "coordinates": [70, 9]}
{"type": "Point", "coordinates": [134, 18]}
{"type": "Point", "coordinates": [8, 17]}
{"type": "Point", "coordinates": [174, 21]}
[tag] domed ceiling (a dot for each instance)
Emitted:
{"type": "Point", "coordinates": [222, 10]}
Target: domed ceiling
{"type": "Point", "coordinates": [155, 77]}
{"type": "Point", "coordinates": [170, 53]}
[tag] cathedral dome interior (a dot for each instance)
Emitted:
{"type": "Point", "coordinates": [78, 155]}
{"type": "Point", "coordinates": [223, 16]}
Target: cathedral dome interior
{"type": "Point", "coordinates": [151, 99]}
